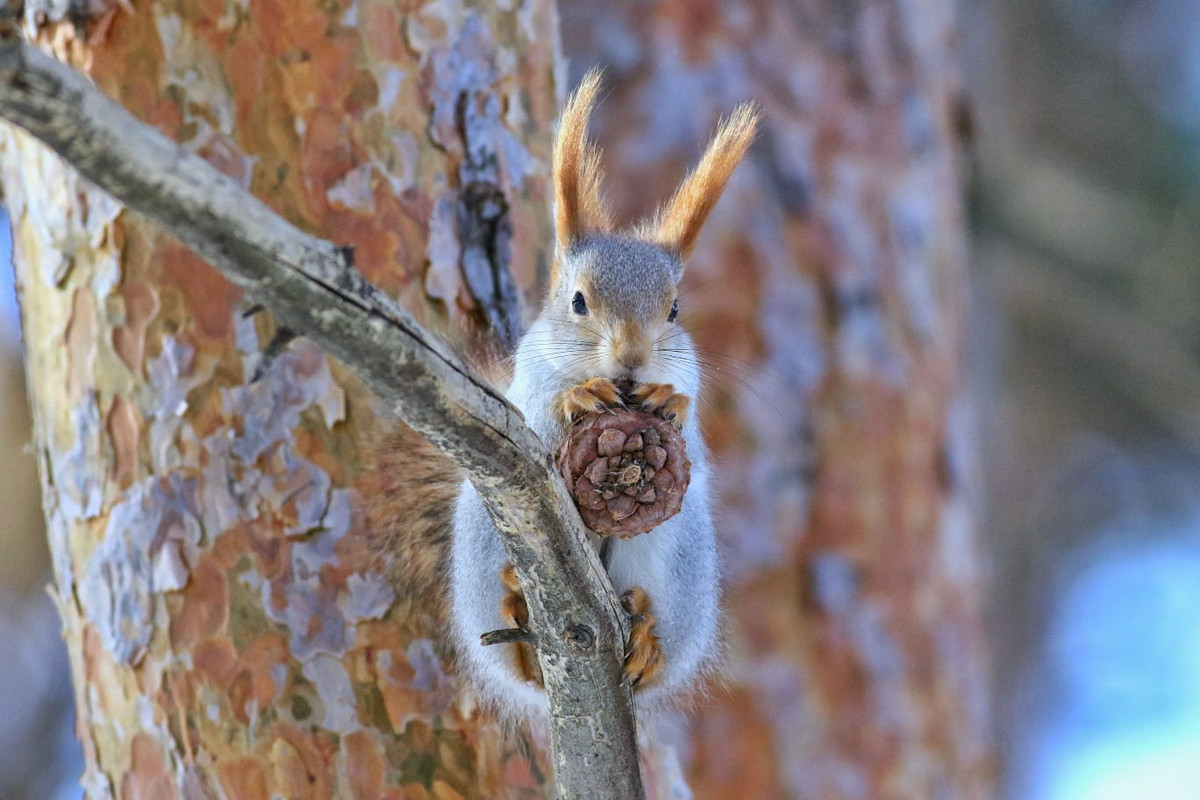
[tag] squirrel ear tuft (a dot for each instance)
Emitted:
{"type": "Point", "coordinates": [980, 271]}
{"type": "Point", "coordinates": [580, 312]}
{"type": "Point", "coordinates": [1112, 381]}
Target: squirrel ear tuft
{"type": "Point", "coordinates": [579, 205]}
{"type": "Point", "coordinates": [678, 222]}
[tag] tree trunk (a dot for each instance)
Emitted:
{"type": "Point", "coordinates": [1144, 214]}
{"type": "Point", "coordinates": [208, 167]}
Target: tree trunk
{"type": "Point", "coordinates": [829, 293]}
{"type": "Point", "coordinates": [229, 634]}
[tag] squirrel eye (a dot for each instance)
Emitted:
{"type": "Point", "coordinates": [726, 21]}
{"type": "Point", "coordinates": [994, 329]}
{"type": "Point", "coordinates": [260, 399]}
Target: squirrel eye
{"type": "Point", "coordinates": [674, 311]}
{"type": "Point", "coordinates": [578, 304]}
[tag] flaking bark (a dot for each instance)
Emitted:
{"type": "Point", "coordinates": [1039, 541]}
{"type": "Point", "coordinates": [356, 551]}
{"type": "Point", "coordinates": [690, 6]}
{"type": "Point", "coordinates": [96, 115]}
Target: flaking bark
{"type": "Point", "coordinates": [309, 286]}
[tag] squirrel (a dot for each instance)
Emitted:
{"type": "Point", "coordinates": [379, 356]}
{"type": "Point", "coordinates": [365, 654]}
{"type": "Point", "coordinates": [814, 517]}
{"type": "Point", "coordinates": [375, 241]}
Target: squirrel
{"type": "Point", "coordinates": [607, 335]}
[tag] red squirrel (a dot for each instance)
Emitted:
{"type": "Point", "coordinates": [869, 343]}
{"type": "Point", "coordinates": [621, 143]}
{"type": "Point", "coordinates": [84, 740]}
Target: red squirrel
{"type": "Point", "coordinates": [609, 320]}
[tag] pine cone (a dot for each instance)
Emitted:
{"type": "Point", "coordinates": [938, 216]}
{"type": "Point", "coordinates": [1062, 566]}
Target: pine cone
{"type": "Point", "coordinates": [626, 469]}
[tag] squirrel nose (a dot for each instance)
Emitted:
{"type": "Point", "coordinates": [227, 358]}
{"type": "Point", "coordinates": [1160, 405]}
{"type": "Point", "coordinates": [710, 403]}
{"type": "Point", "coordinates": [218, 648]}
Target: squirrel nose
{"type": "Point", "coordinates": [631, 359]}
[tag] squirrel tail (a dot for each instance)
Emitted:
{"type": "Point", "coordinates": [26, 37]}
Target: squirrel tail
{"type": "Point", "coordinates": [406, 501]}
{"type": "Point", "coordinates": [407, 490]}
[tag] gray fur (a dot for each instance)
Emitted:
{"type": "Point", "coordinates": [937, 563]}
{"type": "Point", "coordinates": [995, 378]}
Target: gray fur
{"type": "Point", "coordinates": [628, 274]}
{"type": "Point", "coordinates": [633, 283]}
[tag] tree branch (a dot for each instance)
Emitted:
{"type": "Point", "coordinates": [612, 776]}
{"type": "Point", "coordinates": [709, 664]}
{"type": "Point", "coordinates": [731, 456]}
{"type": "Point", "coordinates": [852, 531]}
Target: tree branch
{"type": "Point", "coordinates": [310, 288]}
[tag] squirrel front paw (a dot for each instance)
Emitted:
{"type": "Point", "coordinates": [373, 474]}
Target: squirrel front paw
{"type": "Point", "coordinates": [643, 652]}
{"type": "Point", "coordinates": [662, 399]}
{"type": "Point", "coordinates": [595, 394]}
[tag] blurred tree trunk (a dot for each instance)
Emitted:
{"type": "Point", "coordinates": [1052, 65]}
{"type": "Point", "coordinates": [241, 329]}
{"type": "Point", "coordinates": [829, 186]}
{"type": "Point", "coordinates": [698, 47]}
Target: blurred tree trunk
{"type": "Point", "coordinates": [230, 636]}
{"type": "Point", "coordinates": [829, 293]}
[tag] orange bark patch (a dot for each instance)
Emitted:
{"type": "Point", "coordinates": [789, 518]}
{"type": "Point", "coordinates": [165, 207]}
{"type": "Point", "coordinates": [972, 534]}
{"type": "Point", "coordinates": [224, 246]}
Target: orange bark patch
{"type": "Point", "coordinates": [205, 611]}
{"type": "Point", "coordinates": [382, 25]}
{"type": "Point", "coordinates": [244, 779]}
{"type": "Point", "coordinates": [124, 425]}
{"type": "Point", "coordinates": [216, 660]}
{"type": "Point", "coordinates": [209, 298]}
{"type": "Point", "coordinates": [232, 545]}
{"type": "Point", "coordinates": [147, 778]}
{"type": "Point", "coordinates": [289, 775]}
{"type": "Point", "coordinates": [378, 237]}
{"type": "Point", "coordinates": [301, 763]}
{"type": "Point", "coordinates": [255, 668]}
{"type": "Point", "coordinates": [271, 549]}
{"type": "Point", "coordinates": [339, 84]}
{"type": "Point", "coordinates": [401, 702]}
{"type": "Point", "coordinates": [290, 27]}
{"type": "Point", "coordinates": [129, 340]}
{"type": "Point", "coordinates": [223, 154]}
{"type": "Point", "coordinates": [81, 342]}
{"type": "Point", "coordinates": [246, 67]}
{"type": "Point", "coordinates": [365, 766]}
{"type": "Point", "coordinates": [328, 155]}
{"type": "Point", "coordinates": [129, 67]}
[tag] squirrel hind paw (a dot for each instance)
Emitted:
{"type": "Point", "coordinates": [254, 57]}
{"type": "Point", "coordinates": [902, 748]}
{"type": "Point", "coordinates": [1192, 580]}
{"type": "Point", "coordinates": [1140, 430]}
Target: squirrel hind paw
{"type": "Point", "coordinates": [643, 651]}
{"type": "Point", "coordinates": [512, 606]}
{"type": "Point", "coordinates": [516, 613]}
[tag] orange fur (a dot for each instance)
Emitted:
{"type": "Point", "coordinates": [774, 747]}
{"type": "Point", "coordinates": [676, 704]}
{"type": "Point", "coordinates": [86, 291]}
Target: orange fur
{"type": "Point", "coordinates": [594, 394]}
{"type": "Point", "coordinates": [678, 222]}
{"type": "Point", "coordinates": [516, 612]}
{"type": "Point", "coordinates": [579, 205]}
{"type": "Point", "coordinates": [661, 399]}
{"type": "Point", "coordinates": [406, 491]}
{"type": "Point", "coordinates": [407, 496]}
{"type": "Point", "coordinates": [643, 652]}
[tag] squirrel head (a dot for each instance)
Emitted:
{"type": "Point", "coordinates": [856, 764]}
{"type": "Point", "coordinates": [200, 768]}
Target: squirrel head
{"type": "Point", "coordinates": [617, 292]}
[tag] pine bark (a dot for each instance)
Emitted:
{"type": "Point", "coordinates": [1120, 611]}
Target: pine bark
{"type": "Point", "coordinates": [829, 295]}
{"type": "Point", "coordinates": [230, 635]}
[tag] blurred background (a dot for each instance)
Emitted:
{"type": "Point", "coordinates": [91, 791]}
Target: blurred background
{"type": "Point", "coordinates": [1084, 167]}
{"type": "Point", "coordinates": [1086, 368]}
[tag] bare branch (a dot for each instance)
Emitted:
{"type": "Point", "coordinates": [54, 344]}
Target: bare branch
{"type": "Point", "coordinates": [308, 285]}
{"type": "Point", "coordinates": [506, 636]}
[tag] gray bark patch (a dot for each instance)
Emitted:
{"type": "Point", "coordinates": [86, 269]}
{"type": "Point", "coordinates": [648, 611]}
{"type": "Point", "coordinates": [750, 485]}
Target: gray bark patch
{"type": "Point", "coordinates": [151, 539]}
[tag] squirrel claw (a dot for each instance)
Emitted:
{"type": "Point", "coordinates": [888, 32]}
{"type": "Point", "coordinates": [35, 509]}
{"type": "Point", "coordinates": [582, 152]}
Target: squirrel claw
{"type": "Point", "coordinates": [643, 651]}
{"type": "Point", "coordinates": [662, 399]}
{"type": "Point", "coordinates": [513, 607]}
{"type": "Point", "coordinates": [516, 613]}
{"type": "Point", "coordinates": [593, 395]}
